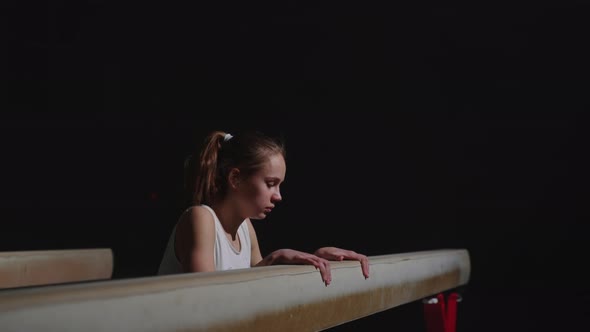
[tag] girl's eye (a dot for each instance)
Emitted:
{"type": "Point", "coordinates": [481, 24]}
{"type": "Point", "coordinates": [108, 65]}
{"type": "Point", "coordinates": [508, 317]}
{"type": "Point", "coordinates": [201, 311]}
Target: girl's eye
{"type": "Point", "coordinates": [271, 184]}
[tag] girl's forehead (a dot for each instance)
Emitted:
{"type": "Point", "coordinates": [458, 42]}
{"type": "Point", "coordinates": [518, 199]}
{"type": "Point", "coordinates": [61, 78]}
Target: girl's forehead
{"type": "Point", "coordinates": [275, 166]}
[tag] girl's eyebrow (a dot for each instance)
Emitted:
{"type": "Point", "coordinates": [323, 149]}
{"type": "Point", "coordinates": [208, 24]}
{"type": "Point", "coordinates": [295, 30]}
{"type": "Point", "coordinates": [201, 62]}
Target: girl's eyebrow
{"type": "Point", "coordinates": [273, 178]}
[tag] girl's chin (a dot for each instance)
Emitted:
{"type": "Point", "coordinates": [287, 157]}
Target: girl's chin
{"type": "Point", "coordinates": [260, 216]}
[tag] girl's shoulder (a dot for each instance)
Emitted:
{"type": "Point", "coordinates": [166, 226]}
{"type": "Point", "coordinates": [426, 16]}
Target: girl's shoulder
{"type": "Point", "coordinates": [196, 214]}
{"type": "Point", "coordinates": [195, 221]}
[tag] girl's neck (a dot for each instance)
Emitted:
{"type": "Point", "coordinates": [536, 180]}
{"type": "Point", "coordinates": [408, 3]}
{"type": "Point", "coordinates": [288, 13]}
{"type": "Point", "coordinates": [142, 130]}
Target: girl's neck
{"type": "Point", "coordinates": [229, 218]}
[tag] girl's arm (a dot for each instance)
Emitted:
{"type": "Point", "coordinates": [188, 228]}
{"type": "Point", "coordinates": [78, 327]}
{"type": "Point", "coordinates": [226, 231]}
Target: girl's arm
{"type": "Point", "coordinates": [288, 256]}
{"type": "Point", "coordinates": [195, 241]}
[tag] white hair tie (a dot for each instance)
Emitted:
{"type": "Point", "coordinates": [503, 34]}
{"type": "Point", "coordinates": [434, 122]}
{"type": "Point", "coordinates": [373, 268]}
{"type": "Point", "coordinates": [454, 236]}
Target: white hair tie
{"type": "Point", "coordinates": [227, 137]}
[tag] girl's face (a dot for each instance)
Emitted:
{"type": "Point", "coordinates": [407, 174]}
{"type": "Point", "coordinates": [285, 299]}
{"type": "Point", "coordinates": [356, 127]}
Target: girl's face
{"type": "Point", "coordinates": [260, 192]}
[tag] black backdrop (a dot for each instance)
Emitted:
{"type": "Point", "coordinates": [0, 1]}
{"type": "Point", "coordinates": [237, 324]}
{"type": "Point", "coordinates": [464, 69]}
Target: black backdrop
{"type": "Point", "coordinates": [408, 127]}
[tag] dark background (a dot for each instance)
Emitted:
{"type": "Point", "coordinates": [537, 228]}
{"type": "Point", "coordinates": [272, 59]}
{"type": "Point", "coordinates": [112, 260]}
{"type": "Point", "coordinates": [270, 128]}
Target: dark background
{"type": "Point", "coordinates": [408, 127]}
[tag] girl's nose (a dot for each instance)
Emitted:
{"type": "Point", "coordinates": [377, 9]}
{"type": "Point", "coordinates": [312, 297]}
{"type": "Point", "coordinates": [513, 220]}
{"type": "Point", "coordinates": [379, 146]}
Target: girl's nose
{"type": "Point", "coordinates": [276, 197]}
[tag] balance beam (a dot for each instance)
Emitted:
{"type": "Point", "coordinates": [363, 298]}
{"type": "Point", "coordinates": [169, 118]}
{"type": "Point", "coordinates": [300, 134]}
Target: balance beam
{"type": "Point", "coordinates": [273, 298]}
{"type": "Point", "coordinates": [44, 267]}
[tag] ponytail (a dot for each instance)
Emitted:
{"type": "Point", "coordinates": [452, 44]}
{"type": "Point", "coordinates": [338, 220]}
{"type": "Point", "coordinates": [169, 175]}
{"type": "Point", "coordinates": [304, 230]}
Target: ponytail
{"type": "Point", "coordinates": [205, 183]}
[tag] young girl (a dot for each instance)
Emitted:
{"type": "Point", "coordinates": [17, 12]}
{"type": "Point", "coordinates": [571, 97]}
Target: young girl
{"type": "Point", "coordinates": [238, 179]}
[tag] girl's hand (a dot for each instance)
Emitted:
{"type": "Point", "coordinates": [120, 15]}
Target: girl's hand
{"type": "Point", "coordinates": [290, 256]}
{"type": "Point", "coordinates": [337, 254]}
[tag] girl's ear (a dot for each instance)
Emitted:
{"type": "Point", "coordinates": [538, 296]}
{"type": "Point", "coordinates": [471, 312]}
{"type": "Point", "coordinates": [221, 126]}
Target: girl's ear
{"type": "Point", "coordinates": [234, 178]}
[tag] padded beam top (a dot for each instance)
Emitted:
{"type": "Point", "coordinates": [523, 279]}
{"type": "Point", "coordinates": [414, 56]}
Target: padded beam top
{"type": "Point", "coordinates": [43, 267]}
{"type": "Point", "coordinates": [274, 298]}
